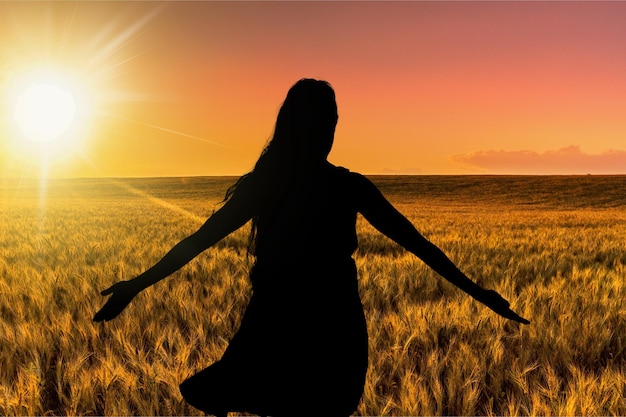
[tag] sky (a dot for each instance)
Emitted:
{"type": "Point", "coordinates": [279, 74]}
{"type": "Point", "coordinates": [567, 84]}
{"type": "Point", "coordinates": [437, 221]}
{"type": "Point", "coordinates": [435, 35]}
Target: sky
{"type": "Point", "coordinates": [193, 88]}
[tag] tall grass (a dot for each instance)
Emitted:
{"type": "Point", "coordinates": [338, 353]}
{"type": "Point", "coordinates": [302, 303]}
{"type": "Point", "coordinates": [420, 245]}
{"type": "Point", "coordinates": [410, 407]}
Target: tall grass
{"type": "Point", "coordinates": [553, 246]}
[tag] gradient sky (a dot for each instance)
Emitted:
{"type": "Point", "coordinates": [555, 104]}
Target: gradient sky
{"type": "Point", "coordinates": [193, 88]}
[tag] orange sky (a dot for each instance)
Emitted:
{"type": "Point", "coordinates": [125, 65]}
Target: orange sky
{"type": "Point", "coordinates": [422, 87]}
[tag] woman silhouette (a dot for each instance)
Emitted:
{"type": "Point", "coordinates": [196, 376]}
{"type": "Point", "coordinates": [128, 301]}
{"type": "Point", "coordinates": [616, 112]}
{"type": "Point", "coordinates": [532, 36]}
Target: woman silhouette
{"type": "Point", "coordinates": [302, 344]}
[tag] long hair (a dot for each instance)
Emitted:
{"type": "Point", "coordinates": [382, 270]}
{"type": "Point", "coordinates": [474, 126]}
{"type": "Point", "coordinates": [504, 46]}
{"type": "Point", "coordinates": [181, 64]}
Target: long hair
{"type": "Point", "coordinates": [302, 138]}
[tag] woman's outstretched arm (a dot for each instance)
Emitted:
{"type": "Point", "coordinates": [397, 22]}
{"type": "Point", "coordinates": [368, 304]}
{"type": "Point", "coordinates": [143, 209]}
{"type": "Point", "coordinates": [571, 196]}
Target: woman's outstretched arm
{"type": "Point", "coordinates": [389, 221]}
{"type": "Point", "coordinates": [230, 217]}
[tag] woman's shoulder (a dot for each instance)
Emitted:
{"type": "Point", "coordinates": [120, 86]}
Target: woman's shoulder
{"type": "Point", "coordinates": [351, 178]}
{"type": "Point", "coordinates": [344, 172]}
{"type": "Point", "coordinates": [351, 182]}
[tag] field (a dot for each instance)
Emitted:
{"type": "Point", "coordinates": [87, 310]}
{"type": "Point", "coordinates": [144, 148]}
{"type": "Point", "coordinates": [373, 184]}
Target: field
{"type": "Point", "coordinates": [553, 246]}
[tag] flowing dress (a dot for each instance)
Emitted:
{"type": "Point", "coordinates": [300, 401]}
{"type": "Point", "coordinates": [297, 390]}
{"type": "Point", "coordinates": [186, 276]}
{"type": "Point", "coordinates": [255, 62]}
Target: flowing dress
{"type": "Point", "coordinates": [301, 347]}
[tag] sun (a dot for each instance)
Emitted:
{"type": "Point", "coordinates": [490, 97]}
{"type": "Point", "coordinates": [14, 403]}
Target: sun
{"type": "Point", "coordinates": [66, 85]}
{"type": "Point", "coordinates": [49, 110]}
{"type": "Point", "coordinates": [44, 111]}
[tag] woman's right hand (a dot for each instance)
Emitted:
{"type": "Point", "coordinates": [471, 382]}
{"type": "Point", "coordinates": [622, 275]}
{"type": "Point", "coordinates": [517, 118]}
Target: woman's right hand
{"type": "Point", "coordinates": [122, 294]}
{"type": "Point", "coordinates": [497, 303]}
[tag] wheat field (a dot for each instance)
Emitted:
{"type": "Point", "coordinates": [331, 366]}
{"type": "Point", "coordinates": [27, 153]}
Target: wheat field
{"type": "Point", "coordinates": [553, 246]}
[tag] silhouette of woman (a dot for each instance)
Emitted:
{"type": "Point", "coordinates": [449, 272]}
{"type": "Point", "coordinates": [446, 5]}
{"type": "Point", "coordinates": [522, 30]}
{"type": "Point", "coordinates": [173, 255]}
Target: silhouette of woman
{"type": "Point", "coordinates": [302, 343]}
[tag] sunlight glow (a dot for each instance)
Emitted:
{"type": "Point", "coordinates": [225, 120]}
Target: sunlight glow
{"type": "Point", "coordinates": [50, 110]}
{"type": "Point", "coordinates": [44, 112]}
{"type": "Point", "coordinates": [61, 79]}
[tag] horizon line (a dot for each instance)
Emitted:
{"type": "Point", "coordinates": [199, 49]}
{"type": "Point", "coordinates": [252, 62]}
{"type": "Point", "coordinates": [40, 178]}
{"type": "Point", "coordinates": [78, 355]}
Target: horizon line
{"type": "Point", "coordinates": [365, 174]}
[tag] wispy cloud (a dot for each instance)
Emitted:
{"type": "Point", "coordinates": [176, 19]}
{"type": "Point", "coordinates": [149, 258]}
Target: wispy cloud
{"type": "Point", "coordinates": [568, 160]}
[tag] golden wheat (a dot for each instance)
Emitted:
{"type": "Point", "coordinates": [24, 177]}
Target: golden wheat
{"type": "Point", "coordinates": [553, 246]}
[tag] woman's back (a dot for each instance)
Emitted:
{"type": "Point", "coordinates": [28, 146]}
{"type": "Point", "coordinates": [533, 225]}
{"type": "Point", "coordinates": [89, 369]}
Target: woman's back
{"type": "Point", "coordinates": [314, 221]}
{"type": "Point", "coordinates": [305, 321]}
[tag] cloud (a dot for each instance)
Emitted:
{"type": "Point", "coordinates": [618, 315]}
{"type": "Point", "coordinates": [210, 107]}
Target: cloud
{"type": "Point", "coordinates": [568, 160]}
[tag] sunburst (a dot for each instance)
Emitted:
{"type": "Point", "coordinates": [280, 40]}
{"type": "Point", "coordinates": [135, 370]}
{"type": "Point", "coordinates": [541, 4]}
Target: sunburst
{"type": "Point", "coordinates": [59, 88]}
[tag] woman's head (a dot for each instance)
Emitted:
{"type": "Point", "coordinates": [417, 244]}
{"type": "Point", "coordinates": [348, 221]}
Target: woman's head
{"type": "Point", "coordinates": [302, 139]}
{"type": "Point", "coordinates": [306, 122]}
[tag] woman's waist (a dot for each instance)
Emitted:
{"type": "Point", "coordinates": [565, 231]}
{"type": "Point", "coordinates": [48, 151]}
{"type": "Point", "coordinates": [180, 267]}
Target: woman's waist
{"type": "Point", "coordinates": [305, 264]}
{"type": "Point", "coordinates": [305, 273]}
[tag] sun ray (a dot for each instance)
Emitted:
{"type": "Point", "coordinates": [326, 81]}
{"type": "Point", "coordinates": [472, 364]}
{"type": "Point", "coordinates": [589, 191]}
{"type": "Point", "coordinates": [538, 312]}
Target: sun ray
{"type": "Point", "coordinates": [100, 74]}
{"type": "Point", "coordinates": [68, 27]}
{"type": "Point", "coordinates": [158, 201]}
{"type": "Point", "coordinates": [122, 39]}
{"type": "Point", "coordinates": [44, 59]}
{"type": "Point", "coordinates": [140, 193]}
{"type": "Point", "coordinates": [102, 57]}
{"type": "Point", "coordinates": [175, 132]}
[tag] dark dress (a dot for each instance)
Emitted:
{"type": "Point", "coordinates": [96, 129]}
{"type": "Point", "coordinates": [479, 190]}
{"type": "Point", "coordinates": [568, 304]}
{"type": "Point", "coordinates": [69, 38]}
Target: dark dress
{"type": "Point", "coordinates": [301, 347]}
